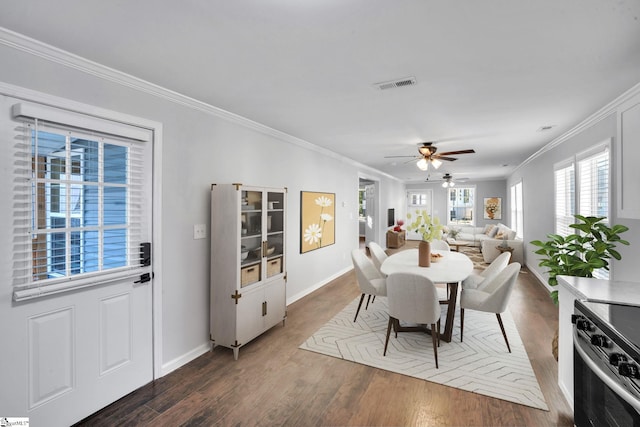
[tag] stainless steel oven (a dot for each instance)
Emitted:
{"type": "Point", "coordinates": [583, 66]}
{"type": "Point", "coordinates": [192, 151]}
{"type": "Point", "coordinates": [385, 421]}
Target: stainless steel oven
{"type": "Point", "coordinates": [606, 364]}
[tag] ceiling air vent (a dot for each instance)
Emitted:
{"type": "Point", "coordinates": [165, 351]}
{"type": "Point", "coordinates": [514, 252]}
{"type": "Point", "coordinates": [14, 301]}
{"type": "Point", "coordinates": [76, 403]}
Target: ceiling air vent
{"type": "Point", "coordinates": [407, 81]}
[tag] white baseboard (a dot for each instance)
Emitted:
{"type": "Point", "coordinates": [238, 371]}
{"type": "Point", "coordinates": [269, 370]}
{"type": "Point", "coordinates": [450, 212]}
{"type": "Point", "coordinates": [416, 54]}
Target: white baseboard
{"type": "Point", "coordinates": [176, 363]}
{"type": "Point", "coordinates": [307, 291]}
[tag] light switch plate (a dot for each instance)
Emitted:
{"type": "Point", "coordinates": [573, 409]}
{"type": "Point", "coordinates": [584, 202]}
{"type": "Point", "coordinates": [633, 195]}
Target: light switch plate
{"type": "Point", "coordinates": [199, 231]}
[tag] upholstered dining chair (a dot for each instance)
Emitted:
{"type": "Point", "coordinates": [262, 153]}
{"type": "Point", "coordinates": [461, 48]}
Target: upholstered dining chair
{"type": "Point", "coordinates": [370, 280]}
{"type": "Point", "coordinates": [440, 245]}
{"type": "Point", "coordinates": [496, 266]}
{"type": "Point", "coordinates": [492, 296]}
{"type": "Point", "coordinates": [413, 298]}
{"type": "Point", "coordinates": [378, 255]}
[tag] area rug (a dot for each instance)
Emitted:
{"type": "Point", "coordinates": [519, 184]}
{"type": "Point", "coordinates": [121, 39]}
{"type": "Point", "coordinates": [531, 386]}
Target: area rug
{"type": "Point", "coordinates": [481, 364]}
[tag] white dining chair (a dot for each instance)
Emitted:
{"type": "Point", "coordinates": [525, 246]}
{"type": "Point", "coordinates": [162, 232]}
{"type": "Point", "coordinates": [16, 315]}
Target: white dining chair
{"type": "Point", "coordinates": [413, 298]}
{"type": "Point", "coordinates": [497, 265]}
{"type": "Point", "coordinates": [440, 245]}
{"type": "Point", "coordinates": [492, 296]}
{"type": "Point", "coordinates": [370, 280]}
{"type": "Point", "coordinates": [378, 255]}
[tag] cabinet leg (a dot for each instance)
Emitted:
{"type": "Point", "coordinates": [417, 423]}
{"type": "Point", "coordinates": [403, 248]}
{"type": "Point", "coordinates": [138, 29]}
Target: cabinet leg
{"type": "Point", "coordinates": [236, 352]}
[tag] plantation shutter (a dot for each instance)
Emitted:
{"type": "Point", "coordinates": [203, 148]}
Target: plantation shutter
{"type": "Point", "coordinates": [79, 203]}
{"type": "Point", "coordinates": [564, 198]}
{"type": "Point", "coordinates": [593, 176]}
{"type": "Point", "coordinates": [593, 183]}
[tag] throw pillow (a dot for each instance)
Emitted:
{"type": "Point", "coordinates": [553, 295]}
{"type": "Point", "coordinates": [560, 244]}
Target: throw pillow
{"type": "Point", "coordinates": [488, 228]}
{"type": "Point", "coordinates": [500, 235]}
{"type": "Point", "coordinates": [493, 232]}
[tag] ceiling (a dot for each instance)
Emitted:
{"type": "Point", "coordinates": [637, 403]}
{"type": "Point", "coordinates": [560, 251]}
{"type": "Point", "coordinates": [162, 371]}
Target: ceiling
{"type": "Point", "coordinates": [489, 73]}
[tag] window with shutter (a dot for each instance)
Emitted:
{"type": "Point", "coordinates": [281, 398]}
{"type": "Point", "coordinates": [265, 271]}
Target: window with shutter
{"type": "Point", "coordinates": [517, 210]}
{"type": "Point", "coordinates": [79, 209]}
{"type": "Point", "coordinates": [585, 186]}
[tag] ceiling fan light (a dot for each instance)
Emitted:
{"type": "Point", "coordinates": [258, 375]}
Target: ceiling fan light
{"type": "Point", "coordinates": [436, 163]}
{"type": "Point", "coordinates": [445, 184]}
{"type": "Point", "coordinates": [422, 164]}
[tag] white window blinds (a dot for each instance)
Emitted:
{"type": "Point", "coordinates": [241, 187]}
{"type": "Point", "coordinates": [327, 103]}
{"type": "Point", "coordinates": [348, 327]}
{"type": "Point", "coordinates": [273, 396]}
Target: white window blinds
{"type": "Point", "coordinates": [564, 199]}
{"type": "Point", "coordinates": [593, 176]}
{"type": "Point", "coordinates": [517, 209]}
{"type": "Point", "coordinates": [81, 208]}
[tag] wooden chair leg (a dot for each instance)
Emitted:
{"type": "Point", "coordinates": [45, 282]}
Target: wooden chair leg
{"type": "Point", "coordinates": [438, 334]}
{"type": "Point", "coordinates": [386, 342]}
{"type": "Point", "coordinates": [435, 330]}
{"type": "Point", "coordinates": [461, 322]}
{"type": "Point", "coordinates": [373, 299]}
{"type": "Point", "coordinates": [504, 334]}
{"type": "Point", "coordinates": [359, 305]}
{"type": "Point", "coordinates": [368, 299]}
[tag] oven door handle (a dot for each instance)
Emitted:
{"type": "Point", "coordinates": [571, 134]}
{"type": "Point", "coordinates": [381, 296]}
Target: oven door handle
{"type": "Point", "coordinates": [607, 379]}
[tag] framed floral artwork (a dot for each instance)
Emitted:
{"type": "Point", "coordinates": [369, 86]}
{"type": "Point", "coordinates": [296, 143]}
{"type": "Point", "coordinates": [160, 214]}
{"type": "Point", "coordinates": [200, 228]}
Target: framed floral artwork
{"type": "Point", "coordinates": [493, 208]}
{"type": "Point", "coordinates": [317, 225]}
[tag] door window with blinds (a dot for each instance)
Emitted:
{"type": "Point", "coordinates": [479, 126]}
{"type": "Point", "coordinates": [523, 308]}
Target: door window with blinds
{"type": "Point", "coordinates": [582, 186]}
{"type": "Point", "coordinates": [82, 211]}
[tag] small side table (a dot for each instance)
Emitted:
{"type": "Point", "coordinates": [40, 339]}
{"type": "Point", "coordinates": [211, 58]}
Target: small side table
{"type": "Point", "coordinates": [396, 239]}
{"type": "Point", "coordinates": [503, 249]}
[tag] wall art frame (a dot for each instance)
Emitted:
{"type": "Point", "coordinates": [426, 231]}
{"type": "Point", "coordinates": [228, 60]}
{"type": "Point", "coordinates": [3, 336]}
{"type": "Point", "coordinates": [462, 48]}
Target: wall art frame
{"type": "Point", "coordinates": [492, 208]}
{"type": "Point", "coordinates": [317, 220]}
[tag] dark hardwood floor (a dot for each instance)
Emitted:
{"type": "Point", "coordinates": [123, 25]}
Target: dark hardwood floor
{"type": "Point", "coordinates": [274, 383]}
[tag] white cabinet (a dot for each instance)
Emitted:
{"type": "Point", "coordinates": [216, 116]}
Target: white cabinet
{"type": "Point", "coordinates": [628, 153]}
{"type": "Point", "coordinates": [248, 275]}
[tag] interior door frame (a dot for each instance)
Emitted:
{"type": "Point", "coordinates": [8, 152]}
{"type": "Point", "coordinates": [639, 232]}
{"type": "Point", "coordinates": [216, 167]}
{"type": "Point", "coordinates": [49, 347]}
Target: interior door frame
{"type": "Point", "coordinates": [156, 170]}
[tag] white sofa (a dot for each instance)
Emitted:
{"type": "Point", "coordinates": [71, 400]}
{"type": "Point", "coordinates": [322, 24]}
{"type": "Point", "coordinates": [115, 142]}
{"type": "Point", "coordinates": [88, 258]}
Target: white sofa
{"type": "Point", "coordinates": [487, 238]}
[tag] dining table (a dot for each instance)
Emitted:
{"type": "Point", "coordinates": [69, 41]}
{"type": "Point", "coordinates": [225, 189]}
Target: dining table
{"type": "Point", "coordinates": [451, 268]}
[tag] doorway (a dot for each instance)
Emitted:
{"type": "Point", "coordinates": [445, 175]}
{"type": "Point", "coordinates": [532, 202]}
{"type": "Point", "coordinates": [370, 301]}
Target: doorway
{"type": "Point", "coordinates": [368, 221]}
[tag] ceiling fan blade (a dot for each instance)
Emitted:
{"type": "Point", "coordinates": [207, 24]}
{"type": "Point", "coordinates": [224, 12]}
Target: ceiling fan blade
{"type": "Point", "coordinates": [450, 159]}
{"type": "Point", "coordinates": [395, 157]}
{"type": "Point", "coordinates": [458, 152]}
{"type": "Point", "coordinates": [409, 161]}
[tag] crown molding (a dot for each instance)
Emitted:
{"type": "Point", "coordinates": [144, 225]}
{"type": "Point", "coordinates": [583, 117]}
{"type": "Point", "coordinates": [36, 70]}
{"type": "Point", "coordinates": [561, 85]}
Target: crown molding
{"type": "Point", "coordinates": [607, 110]}
{"type": "Point", "coordinates": [51, 53]}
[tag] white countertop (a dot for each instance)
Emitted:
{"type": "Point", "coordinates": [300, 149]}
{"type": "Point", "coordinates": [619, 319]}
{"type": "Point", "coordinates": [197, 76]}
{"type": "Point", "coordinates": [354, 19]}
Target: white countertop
{"type": "Point", "coordinates": [598, 290]}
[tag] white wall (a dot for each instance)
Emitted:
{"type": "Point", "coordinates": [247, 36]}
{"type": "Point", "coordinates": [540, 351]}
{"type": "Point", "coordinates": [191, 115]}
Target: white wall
{"type": "Point", "coordinates": [200, 148]}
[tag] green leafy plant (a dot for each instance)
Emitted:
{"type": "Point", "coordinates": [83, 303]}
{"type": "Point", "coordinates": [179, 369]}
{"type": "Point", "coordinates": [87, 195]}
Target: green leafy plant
{"type": "Point", "coordinates": [428, 228]}
{"type": "Point", "coordinates": [582, 253]}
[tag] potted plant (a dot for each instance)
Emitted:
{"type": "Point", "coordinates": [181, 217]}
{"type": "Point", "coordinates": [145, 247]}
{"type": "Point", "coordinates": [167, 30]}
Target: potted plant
{"type": "Point", "coordinates": [428, 229]}
{"type": "Point", "coordinates": [579, 254]}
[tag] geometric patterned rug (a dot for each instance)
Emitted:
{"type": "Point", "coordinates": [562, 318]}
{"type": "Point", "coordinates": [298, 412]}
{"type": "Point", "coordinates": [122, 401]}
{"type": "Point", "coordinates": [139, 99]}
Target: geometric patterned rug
{"type": "Point", "coordinates": [481, 364]}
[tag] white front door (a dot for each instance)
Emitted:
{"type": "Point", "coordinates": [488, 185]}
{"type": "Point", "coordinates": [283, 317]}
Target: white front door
{"type": "Point", "coordinates": [68, 354]}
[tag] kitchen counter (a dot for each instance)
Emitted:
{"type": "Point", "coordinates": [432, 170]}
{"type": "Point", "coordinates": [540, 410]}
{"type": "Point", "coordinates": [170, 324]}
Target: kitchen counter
{"type": "Point", "coordinates": [598, 290]}
{"type": "Point", "coordinates": [583, 288]}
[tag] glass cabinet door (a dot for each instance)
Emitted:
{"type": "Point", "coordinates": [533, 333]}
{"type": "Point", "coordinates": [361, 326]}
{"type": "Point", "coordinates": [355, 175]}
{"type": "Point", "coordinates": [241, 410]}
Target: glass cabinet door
{"type": "Point", "coordinates": [251, 237]}
{"type": "Point", "coordinates": [275, 233]}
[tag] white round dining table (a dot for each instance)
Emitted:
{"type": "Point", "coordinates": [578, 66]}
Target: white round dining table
{"type": "Point", "coordinates": [451, 269]}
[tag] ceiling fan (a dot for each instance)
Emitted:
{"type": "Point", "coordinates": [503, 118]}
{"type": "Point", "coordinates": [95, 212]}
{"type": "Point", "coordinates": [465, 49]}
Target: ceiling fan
{"type": "Point", "coordinates": [428, 155]}
{"type": "Point", "coordinates": [447, 180]}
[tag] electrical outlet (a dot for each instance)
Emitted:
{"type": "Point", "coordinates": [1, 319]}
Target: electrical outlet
{"type": "Point", "coordinates": [199, 231]}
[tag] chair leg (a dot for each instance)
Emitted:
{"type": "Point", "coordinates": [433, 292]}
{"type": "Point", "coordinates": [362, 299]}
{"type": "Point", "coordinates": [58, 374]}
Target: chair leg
{"type": "Point", "coordinates": [461, 322]}
{"type": "Point", "coordinates": [359, 305]}
{"type": "Point", "coordinates": [373, 299]}
{"type": "Point", "coordinates": [386, 342]}
{"type": "Point", "coordinates": [435, 330]}
{"type": "Point", "coordinates": [438, 334]}
{"type": "Point", "coordinates": [504, 334]}
{"type": "Point", "coordinates": [368, 299]}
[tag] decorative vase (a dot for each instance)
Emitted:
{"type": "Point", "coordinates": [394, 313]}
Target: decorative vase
{"type": "Point", "coordinates": [424, 254]}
